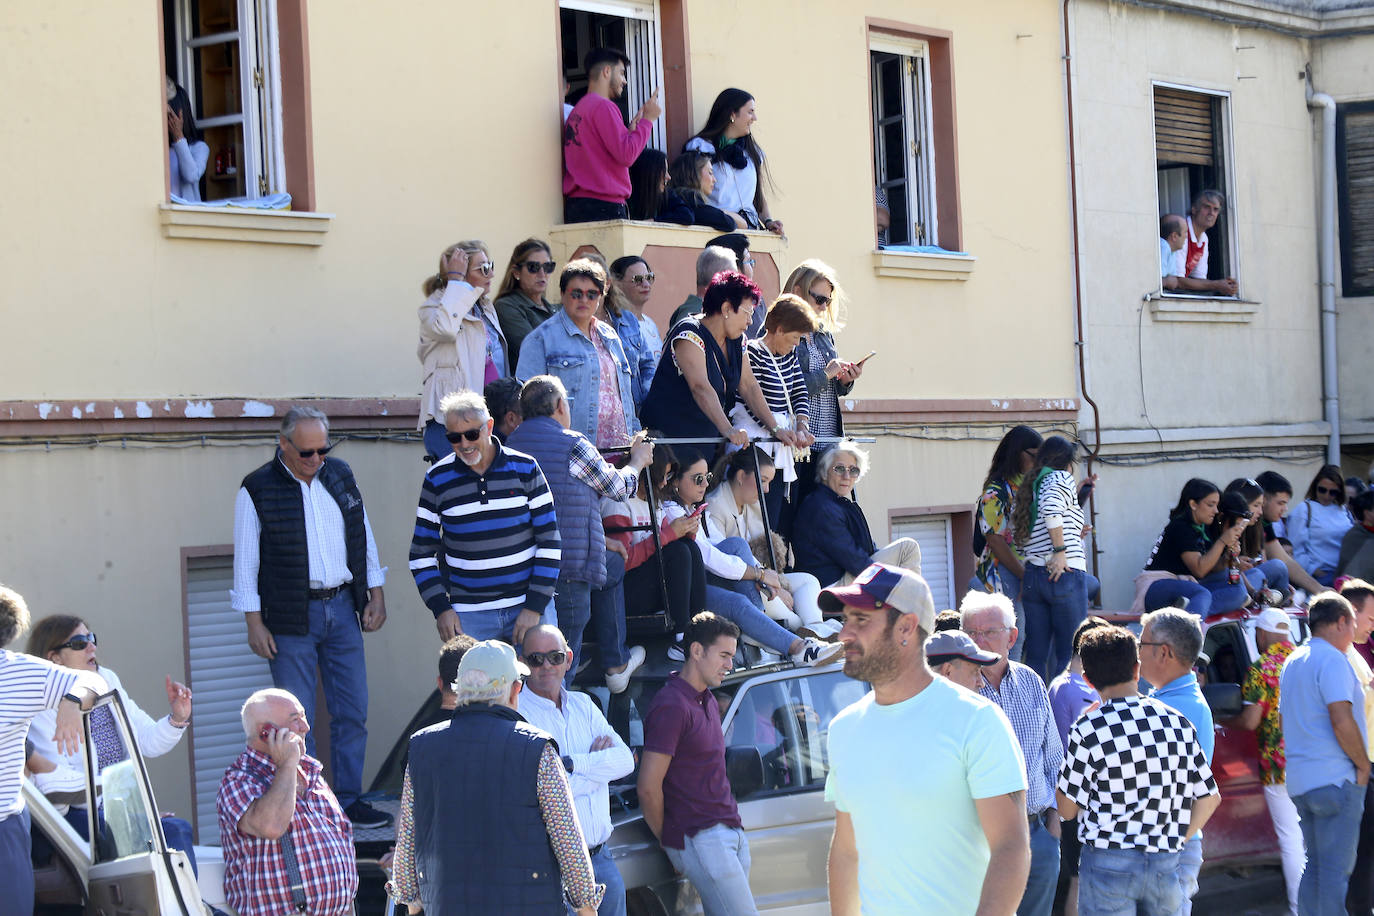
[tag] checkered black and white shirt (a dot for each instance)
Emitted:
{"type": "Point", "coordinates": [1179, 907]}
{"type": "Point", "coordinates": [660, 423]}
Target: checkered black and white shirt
{"type": "Point", "coordinates": [1134, 767]}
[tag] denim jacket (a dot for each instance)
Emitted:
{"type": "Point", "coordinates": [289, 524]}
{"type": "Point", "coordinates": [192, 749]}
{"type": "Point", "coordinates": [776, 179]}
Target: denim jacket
{"type": "Point", "coordinates": [643, 361]}
{"type": "Point", "coordinates": [558, 348]}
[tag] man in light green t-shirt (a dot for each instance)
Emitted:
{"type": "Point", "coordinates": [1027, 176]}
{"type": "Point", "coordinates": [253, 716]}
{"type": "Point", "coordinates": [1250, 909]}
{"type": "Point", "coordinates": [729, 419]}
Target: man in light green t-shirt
{"type": "Point", "coordinates": [927, 778]}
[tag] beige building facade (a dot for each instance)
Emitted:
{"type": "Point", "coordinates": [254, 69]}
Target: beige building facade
{"type": "Point", "coordinates": [151, 348]}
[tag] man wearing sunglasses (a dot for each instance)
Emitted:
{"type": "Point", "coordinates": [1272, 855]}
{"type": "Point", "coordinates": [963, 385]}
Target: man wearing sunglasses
{"type": "Point", "coordinates": [309, 584]}
{"type": "Point", "coordinates": [589, 576]}
{"type": "Point", "coordinates": [593, 754]}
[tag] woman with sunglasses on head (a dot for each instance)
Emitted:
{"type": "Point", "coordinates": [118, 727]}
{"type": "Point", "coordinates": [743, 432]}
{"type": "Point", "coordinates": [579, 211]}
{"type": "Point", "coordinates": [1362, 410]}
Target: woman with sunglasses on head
{"type": "Point", "coordinates": [461, 344]}
{"type": "Point", "coordinates": [831, 538]}
{"type": "Point", "coordinates": [520, 302]}
{"type": "Point", "coordinates": [587, 356]}
{"type": "Point", "coordinates": [66, 640]}
{"type": "Point", "coordinates": [1317, 525]}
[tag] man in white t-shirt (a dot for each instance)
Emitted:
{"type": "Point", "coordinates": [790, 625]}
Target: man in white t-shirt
{"type": "Point", "coordinates": [1173, 235]}
{"type": "Point", "coordinates": [918, 750]}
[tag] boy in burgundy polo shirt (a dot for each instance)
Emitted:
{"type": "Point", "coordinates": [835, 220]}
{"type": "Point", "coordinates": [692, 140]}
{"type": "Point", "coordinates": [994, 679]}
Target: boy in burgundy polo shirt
{"type": "Point", "coordinates": [683, 789]}
{"type": "Point", "coordinates": [598, 150]}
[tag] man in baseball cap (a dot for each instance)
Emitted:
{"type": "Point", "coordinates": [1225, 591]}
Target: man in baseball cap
{"type": "Point", "coordinates": [953, 654]}
{"type": "Point", "coordinates": [972, 779]}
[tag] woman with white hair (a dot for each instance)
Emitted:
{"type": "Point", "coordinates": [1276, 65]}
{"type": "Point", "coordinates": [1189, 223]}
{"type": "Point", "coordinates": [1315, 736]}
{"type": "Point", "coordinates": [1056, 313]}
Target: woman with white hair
{"type": "Point", "coordinates": [831, 538]}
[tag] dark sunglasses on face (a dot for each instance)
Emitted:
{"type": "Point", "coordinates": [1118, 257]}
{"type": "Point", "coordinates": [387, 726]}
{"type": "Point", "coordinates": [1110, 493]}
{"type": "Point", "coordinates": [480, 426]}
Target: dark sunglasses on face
{"type": "Point", "coordinates": [472, 435]}
{"type": "Point", "coordinates": [699, 479]}
{"type": "Point", "coordinates": [822, 301]}
{"type": "Point", "coordinates": [78, 642]}
{"type": "Point", "coordinates": [312, 452]}
{"type": "Point", "coordinates": [590, 295]}
{"type": "Point", "coordinates": [537, 659]}
{"type": "Point", "coordinates": [643, 278]}
{"type": "Point", "coordinates": [535, 267]}
{"type": "Point", "coordinates": [1327, 491]}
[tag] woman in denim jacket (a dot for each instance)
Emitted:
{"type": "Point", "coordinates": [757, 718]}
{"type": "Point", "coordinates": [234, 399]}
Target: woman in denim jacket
{"type": "Point", "coordinates": [586, 355]}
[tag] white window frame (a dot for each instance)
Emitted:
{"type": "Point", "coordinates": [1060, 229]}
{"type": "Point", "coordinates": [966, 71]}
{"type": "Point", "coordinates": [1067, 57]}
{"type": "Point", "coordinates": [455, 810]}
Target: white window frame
{"type": "Point", "coordinates": [918, 132]}
{"type": "Point", "coordinates": [264, 160]}
{"type": "Point", "coordinates": [1228, 165]}
{"type": "Point", "coordinates": [644, 47]}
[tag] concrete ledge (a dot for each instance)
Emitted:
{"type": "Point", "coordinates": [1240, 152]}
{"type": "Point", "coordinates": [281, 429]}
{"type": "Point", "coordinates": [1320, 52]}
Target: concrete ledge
{"type": "Point", "coordinates": [615, 238]}
{"type": "Point", "coordinates": [233, 224]}
{"type": "Point", "coordinates": [1202, 309]}
{"type": "Point", "coordinates": [914, 265]}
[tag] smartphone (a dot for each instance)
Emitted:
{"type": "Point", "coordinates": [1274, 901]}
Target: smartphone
{"type": "Point", "coordinates": [696, 513]}
{"type": "Point", "coordinates": [871, 354]}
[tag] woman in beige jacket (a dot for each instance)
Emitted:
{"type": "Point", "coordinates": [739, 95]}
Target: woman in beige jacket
{"type": "Point", "coordinates": [461, 344]}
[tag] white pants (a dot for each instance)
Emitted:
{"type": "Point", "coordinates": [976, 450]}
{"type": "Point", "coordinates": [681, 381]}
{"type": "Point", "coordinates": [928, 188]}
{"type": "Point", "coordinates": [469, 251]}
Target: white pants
{"type": "Point", "coordinates": [1285, 818]}
{"type": "Point", "coordinates": [903, 552]}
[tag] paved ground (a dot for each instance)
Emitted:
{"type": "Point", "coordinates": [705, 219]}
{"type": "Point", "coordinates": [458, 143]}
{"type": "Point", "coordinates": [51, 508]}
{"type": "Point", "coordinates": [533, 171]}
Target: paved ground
{"type": "Point", "coordinates": [1259, 892]}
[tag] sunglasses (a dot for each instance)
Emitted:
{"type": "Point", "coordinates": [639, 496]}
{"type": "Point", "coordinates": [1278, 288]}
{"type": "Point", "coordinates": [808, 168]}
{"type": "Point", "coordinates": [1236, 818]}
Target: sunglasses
{"type": "Point", "coordinates": [535, 267]}
{"type": "Point", "coordinates": [643, 278]}
{"type": "Point", "coordinates": [822, 301]}
{"type": "Point", "coordinates": [700, 479]}
{"type": "Point", "coordinates": [845, 470]}
{"type": "Point", "coordinates": [485, 268]}
{"type": "Point", "coordinates": [312, 452]}
{"type": "Point", "coordinates": [1327, 491]}
{"type": "Point", "coordinates": [590, 295]}
{"type": "Point", "coordinates": [79, 642]}
{"type": "Point", "coordinates": [472, 435]}
{"type": "Point", "coordinates": [537, 659]}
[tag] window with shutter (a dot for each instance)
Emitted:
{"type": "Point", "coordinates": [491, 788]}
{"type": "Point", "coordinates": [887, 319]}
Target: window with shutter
{"type": "Point", "coordinates": [1355, 181]}
{"type": "Point", "coordinates": [1190, 157]}
{"type": "Point", "coordinates": [224, 671]}
{"type": "Point", "coordinates": [934, 534]}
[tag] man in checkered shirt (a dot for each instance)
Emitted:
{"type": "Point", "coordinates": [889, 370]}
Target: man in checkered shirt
{"type": "Point", "coordinates": [1135, 770]}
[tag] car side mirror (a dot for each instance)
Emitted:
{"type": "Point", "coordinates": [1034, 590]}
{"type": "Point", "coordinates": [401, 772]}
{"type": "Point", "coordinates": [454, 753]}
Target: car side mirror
{"type": "Point", "coordinates": [744, 769]}
{"type": "Point", "coordinates": [1223, 699]}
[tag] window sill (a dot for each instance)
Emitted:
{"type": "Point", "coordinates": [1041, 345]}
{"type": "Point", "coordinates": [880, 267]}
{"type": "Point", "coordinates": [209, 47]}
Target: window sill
{"type": "Point", "coordinates": [271, 227]}
{"type": "Point", "coordinates": [913, 265]}
{"type": "Point", "coordinates": [1210, 309]}
{"type": "Point", "coordinates": [617, 237]}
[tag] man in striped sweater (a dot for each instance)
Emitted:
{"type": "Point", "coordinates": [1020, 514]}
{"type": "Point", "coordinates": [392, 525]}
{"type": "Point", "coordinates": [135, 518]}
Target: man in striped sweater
{"type": "Point", "coordinates": [489, 509]}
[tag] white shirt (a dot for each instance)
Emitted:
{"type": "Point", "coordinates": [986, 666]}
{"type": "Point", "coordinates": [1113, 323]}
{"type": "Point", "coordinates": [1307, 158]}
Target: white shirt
{"type": "Point", "coordinates": [575, 726]}
{"type": "Point", "coordinates": [324, 540]}
{"type": "Point", "coordinates": [1170, 261]}
{"type": "Point", "coordinates": [28, 686]}
{"type": "Point", "coordinates": [725, 565]}
{"type": "Point", "coordinates": [155, 737]}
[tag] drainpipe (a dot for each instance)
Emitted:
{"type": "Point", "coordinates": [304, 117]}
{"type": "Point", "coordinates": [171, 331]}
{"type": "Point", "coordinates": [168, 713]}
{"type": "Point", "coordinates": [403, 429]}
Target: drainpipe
{"type": "Point", "coordinates": [1326, 271]}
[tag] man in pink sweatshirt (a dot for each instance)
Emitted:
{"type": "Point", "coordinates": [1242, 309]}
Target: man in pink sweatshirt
{"type": "Point", "coordinates": [597, 147]}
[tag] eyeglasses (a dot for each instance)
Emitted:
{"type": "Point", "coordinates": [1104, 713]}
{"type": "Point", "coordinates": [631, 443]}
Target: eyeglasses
{"type": "Point", "coordinates": [537, 659]}
{"type": "Point", "coordinates": [1327, 491]}
{"type": "Point", "coordinates": [700, 479]}
{"type": "Point", "coordinates": [643, 278]}
{"type": "Point", "coordinates": [78, 642]}
{"type": "Point", "coordinates": [1145, 643]}
{"type": "Point", "coordinates": [822, 301]}
{"type": "Point", "coordinates": [535, 267]}
{"type": "Point", "coordinates": [845, 470]}
{"type": "Point", "coordinates": [485, 268]}
{"type": "Point", "coordinates": [591, 295]}
{"type": "Point", "coordinates": [749, 262]}
{"type": "Point", "coordinates": [311, 452]}
{"type": "Point", "coordinates": [472, 435]}
{"type": "Point", "coordinates": [985, 634]}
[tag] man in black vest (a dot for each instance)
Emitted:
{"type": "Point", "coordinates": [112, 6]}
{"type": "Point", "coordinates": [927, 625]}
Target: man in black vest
{"type": "Point", "coordinates": [504, 838]}
{"type": "Point", "coordinates": [309, 584]}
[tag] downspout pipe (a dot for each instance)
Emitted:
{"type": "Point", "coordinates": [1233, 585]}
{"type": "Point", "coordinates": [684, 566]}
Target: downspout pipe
{"type": "Point", "coordinates": [1326, 272]}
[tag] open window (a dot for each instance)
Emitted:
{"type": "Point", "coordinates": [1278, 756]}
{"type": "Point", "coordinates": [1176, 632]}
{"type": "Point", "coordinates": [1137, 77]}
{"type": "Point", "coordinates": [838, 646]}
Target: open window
{"type": "Point", "coordinates": [1355, 182]}
{"type": "Point", "coordinates": [626, 25]}
{"type": "Point", "coordinates": [903, 137]}
{"type": "Point", "coordinates": [1191, 157]}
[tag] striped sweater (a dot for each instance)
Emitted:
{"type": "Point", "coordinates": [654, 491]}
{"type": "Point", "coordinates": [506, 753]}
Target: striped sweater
{"type": "Point", "coordinates": [498, 533]}
{"type": "Point", "coordinates": [781, 378]}
{"type": "Point", "coordinates": [1056, 506]}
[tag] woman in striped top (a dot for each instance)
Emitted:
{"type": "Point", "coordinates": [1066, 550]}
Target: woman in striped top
{"type": "Point", "coordinates": [773, 359]}
{"type": "Point", "coordinates": [1048, 525]}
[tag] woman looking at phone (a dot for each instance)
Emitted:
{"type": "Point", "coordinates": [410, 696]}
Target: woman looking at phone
{"type": "Point", "coordinates": [1193, 550]}
{"type": "Point", "coordinates": [1318, 523]}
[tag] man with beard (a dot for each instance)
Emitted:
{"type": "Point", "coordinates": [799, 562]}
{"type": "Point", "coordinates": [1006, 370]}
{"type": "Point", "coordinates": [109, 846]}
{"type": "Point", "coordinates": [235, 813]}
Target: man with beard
{"type": "Point", "coordinates": [919, 750]}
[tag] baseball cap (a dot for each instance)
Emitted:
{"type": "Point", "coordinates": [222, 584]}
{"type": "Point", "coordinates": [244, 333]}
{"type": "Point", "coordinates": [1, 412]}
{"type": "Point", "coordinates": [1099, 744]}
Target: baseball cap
{"type": "Point", "coordinates": [884, 586]}
{"type": "Point", "coordinates": [1273, 620]}
{"type": "Point", "coordinates": [489, 663]}
{"type": "Point", "coordinates": [949, 644]}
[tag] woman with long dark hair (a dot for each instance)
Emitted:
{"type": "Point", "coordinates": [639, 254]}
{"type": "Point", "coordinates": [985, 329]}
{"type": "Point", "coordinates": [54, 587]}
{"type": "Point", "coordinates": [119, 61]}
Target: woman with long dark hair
{"type": "Point", "coordinates": [1250, 556]}
{"type": "Point", "coordinates": [1047, 522]}
{"type": "Point", "coordinates": [1317, 525]}
{"type": "Point", "coordinates": [648, 178]}
{"type": "Point", "coordinates": [1190, 558]}
{"type": "Point", "coordinates": [520, 302]}
{"type": "Point", "coordinates": [1000, 565]}
{"type": "Point", "coordinates": [686, 200]}
{"type": "Point", "coordinates": [187, 151]}
{"type": "Point", "coordinates": [737, 159]}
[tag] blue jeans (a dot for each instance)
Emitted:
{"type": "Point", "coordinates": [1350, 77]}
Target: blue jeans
{"type": "Point", "coordinates": [716, 861]}
{"type": "Point", "coordinates": [1228, 597]}
{"type": "Point", "coordinates": [436, 439]}
{"type": "Point", "coordinates": [1329, 817]}
{"type": "Point", "coordinates": [613, 904]}
{"type": "Point", "coordinates": [1053, 611]}
{"type": "Point", "coordinates": [1189, 866]}
{"type": "Point", "coordinates": [608, 615]}
{"type": "Point", "coordinates": [741, 602]}
{"type": "Point", "coordinates": [334, 642]}
{"type": "Point", "coordinates": [16, 868]}
{"type": "Point", "coordinates": [1275, 574]}
{"type": "Point", "coordinates": [1165, 591]}
{"type": "Point", "coordinates": [573, 602]}
{"type": "Point", "coordinates": [1127, 882]}
{"type": "Point", "coordinates": [1038, 900]}
{"type": "Point", "coordinates": [499, 624]}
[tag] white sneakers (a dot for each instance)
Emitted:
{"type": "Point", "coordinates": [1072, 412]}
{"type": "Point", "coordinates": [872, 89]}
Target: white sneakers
{"type": "Point", "coordinates": [617, 683]}
{"type": "Point", "coordinates": [824, 630]}
{"type": "Point", "coordinates": [814, 652]}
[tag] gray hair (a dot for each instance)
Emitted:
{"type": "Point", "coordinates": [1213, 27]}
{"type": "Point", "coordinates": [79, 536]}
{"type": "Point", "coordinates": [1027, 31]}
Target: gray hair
{"type": "Point", "coordinates": [1211, 194]}
{"type": "Point", "coordinates": [300, 412]}
{"type": "Point", "coordinates": [252, 711]}
{"type": "Point", "coordinates": [476, 687]}
{"type": "Point", "coordinates": [1176, 628]}
{"type": "Point", "coordinates": [843, 447]}
{"type": "Point", "coordinates": [14, 615]}
{"type": "Point", "coordinates": [712, 261]}
{"type": "Point", "coordinates": [540, 396]}
{"type": "Point", "coordinates": [976, 602]}
{"type": "Point", "coordinates": [464, 405]}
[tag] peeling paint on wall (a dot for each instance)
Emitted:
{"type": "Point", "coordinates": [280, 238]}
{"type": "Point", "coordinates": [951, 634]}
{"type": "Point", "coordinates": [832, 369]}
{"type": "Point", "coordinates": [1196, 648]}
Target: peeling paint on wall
{"type": "Point", "coordinates": [142, 410]}
{"type": "Point", "coordinates": [257, 409]}
{"type": "Point", "coordinates": [200, 409]}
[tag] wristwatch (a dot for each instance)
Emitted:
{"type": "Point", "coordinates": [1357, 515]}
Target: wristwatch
{"type": "Point", "coordinates": [74, 698]}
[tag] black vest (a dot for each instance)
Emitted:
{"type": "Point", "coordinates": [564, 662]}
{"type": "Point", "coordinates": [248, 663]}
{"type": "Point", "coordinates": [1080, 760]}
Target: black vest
{"type": "Point", "coordinates": [284, 563]}
{"type": "Point", "coordinates": [481, 846]}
